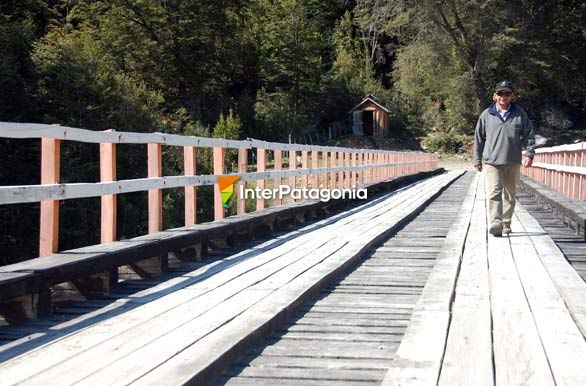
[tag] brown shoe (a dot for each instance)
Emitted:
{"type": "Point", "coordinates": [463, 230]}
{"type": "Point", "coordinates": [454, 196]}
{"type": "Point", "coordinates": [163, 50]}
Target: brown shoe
{"type": "Point", "coordinates": [506, 229]}
{"type": "Point", "coordinates": [496, 229]}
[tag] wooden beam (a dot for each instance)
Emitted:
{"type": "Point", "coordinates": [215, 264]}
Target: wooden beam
{"type": "Point", "coordinates": [292, 166]}
{"type": "Point", "coordinates": [218, 171]}
{"type": "Point", "coordinates": [315, 165]}
{"type": "Point", "coordinates": [155, 169]}
{"type": "Point", "coordinates": [108, 208]}
{"type": "Point", "coordinates": [190, 169]}
{"type": "Point", "coordinates": [278, 154]}
{"type": "Point", "coordinates": [50, 174]}
{"type": "Point", "coordinates": [304, 165]}
{"type": "Point", "coordinates": [261, 159]}
{"type": "Point", "coordinates": [242, 168]}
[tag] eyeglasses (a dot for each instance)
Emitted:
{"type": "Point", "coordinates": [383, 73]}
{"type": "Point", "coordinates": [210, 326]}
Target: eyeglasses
{"type": "Point", "coordinates": [505, 94]}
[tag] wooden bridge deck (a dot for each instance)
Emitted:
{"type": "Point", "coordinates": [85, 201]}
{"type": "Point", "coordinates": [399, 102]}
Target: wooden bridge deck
{"type": "Point", "coordinates": [505, 311]}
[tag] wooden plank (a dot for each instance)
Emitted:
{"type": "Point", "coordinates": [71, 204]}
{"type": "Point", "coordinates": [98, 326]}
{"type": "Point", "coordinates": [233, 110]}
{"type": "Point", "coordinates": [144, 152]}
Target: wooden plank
{"type": "Point", "coordinates": [172, 370]}
{"type": "Point", "coordinates": [518, 352]}
{"type": "Point", "coordinates": [468, 355]}
{"type": "Point", "coordinates": [50, 174]}
{"type": "Point", "coordinates": [563, 342]}
{"type": "Point", "coordinates": [567, 281]}
{"type": "Point", "coordinates": [218, 278]}
{"type": "Point", "coordinates": [419, 357]}
{"type": "Point", "coordinates": [180, 312]}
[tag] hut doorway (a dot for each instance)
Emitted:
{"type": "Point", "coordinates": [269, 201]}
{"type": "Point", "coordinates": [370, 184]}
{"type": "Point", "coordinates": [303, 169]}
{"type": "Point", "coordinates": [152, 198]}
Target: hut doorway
{"type": "Point", "coordinates": [367, 122]}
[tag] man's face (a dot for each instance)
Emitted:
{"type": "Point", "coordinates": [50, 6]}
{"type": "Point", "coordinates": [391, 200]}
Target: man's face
{"type": "Point", "coordinates": [503, 99]}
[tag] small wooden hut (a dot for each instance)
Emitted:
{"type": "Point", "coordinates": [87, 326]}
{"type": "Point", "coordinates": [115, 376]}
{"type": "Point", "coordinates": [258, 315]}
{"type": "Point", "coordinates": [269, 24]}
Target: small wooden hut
{"type": "Point", "coordinates": [369, 117]}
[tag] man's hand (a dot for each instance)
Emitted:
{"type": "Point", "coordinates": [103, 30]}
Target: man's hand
{"type": "Point", "coordinates": [527, 162]}
{"type": "Point", "coordinates": [478, 167]}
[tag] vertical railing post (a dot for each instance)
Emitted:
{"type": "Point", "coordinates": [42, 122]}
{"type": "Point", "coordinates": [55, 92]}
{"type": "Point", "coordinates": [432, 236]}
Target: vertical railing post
{"type": "Point", "coordinates": [260, 167]}
{"type": "Point", "coordinates": [242, 168]}
{"type": "Point", "coordinates": [340, 162]}
{"type": "Point", "coordinates": [278, 155]}
{"type": "Point", "coordinates": [155, 169]}
{"type": "Point", "coordinates": [108, 202]}
{"type": "Point", "coordinates": [353, 182]}
{"type": "Point", "coordinates": [324, 176]}
{"type": "Point", "coordinates": [218, 155]}
{"type": "Point", "coordinates": [50, 174]}
{"type": "Point", "coordinates": [332, 175]}
{"type": "Point", "coordinates": [190, 169]}
{"type": "Point", "coordinates": [304, 165]}
{"type": "Point", "coordinates": [292, 166]}
{"type": "Point", "coordinates": [314, 166]}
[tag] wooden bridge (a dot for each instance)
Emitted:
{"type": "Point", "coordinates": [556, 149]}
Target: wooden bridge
{"type": "Point", "coordinates": [405, 288]}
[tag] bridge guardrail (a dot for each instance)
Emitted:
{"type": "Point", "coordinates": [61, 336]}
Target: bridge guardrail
{"type": "Point", "coordinates": [562, 168]}
{"type": "Point", "coordinates": [328, 167]}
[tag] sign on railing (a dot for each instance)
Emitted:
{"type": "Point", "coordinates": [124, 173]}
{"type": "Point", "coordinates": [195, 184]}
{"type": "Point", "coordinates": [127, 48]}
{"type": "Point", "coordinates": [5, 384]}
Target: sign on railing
{"type": "Point", "coordinates": [328, 167]}
{"type": "Point", "coordinates": [562, 168]}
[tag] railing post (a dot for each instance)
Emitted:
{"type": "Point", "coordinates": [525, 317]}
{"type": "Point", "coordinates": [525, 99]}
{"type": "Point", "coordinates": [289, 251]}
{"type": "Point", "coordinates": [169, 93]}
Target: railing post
{"type": "Point", "coordinates": [260, 167]}
{"type": "Point", "coordinates": [278, 155]}
{"type": "Point", "coordinates": [332, 175]}
{"type": "Point", "coordinates": [347, 174]}
{"type": "Point", "coordinates": [108, 207]}
{"type": "Point", "coordinates": [218, 154]}
{"type": "Point", "coordinates": [155, 169]}
{"type": "Point", "coordinates": [304, 165]}
{"type": "Point", "coordinates": [190, 169]}
{"type": "Point", "coordinates": [314, 165]}
{"type": "Point", "coordinates": [340, 162]}
{"type": "Point", "coordinates": [292, 166]}
{"type": "Point", "coordinates": [324, 176]}
{"type": "Point", "coordinates": [50, 174]}
{"type": "Point", "coordinates": [242, 168]}
{"type": "Point", "coordinates": [353, 172]}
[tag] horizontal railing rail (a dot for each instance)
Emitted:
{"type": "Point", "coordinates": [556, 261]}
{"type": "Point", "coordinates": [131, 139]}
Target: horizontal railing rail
{"type": "Point", "coordinates": [562, 168]}
{"type": "Point", "coordinates": [321, 167]}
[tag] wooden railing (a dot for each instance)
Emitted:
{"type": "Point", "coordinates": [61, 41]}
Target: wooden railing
{"type": "Point", "coordinates": [321, 167]}
{"type": "Point", "coordinates": [562, 168]}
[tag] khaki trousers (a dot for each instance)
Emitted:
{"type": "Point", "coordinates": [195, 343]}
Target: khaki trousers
{"type": "Point", "coordinates": [501, 186]}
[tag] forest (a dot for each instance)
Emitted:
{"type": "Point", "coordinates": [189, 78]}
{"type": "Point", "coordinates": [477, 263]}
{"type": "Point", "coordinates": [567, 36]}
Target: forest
{"type": "Point", "coordinates": [266, 69]}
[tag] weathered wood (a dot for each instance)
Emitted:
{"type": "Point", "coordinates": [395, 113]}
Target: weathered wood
{"type": "Point", "coordinates": [242, 168]}
{"type": "Point", "coordinates": [50, 174]}
{"type": "Point", "coordinates": [190, 169]}
{"type": "Point", "coordinates": [36, 193]}
{"type": "Point", "coordinates": [295, 288]}
{"type": "Point", "coordinates": [519, 357]}
{"type": "Point", "coordinates": [562, 340]}
{"type": "Point", "coordinates": [33, 130]}
{"type": "Point", "coordinates": [418, 359]}
{"type": "Point", "coordinates": [260, 167]}
{"type": "Point", "coordinates": [567, 281]}
{"type": "Point", "coordinates": [218, 161]}
{"type": "Point", "coordinates": [108, 207]}
{"type": "Point", "coordinates": [278, 165]}
{"type": "Point", "coordinates": [468, 354]}
{"type": "Point", "coordinates": [155, 169]}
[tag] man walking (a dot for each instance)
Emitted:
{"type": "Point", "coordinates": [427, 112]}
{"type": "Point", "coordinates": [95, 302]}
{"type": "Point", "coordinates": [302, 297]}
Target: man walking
{"type": "Point", "coordinates": [502, 131]}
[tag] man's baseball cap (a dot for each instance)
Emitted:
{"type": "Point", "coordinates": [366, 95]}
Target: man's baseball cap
{"type": "Point", "coordinates": [504, 85]}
